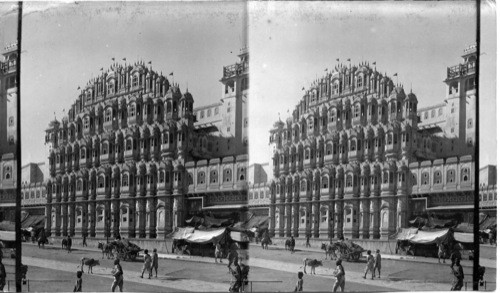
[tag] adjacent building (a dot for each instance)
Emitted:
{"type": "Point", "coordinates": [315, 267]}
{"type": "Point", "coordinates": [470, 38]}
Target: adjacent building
{"type": "Point", "coordinates": [358, 159]}
{"type": "Point", "coordinates": [135, 157]}
{"type": "Point", "coordinates": [8, 132]}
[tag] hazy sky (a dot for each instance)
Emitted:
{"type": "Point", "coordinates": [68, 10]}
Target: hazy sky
{"type": "Point", "coordinates": [67, 44]}
{"type": "Point", "coordinates": [292, 44]}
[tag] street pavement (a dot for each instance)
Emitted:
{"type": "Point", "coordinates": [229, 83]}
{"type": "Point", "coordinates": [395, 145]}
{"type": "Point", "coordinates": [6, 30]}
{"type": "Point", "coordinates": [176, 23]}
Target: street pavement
{"type": "Point", "coordinates": [194, 273]}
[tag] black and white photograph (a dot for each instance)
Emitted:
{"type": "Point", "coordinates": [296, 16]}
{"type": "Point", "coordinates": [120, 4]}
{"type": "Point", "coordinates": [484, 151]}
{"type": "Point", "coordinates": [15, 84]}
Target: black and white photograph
{"type": "Point", "coordinates": [142, 150]}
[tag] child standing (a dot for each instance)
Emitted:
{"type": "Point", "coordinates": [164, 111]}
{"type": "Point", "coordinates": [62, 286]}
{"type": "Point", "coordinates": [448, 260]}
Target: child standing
{"type": "Point", "coordinates": [300, 283]}
{"type": "Point", "coordinates": [78, 284]}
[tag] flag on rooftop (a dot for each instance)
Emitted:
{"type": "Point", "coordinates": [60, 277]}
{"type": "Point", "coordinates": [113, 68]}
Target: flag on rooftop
{"type": "Point", "coordinates": [395, 74]}
{"type": "Point", "coordinates": [338, 59]}
{"type": "Point", "coordinates": [171, 73]}
{"type": "Point", "coordinates": [349, 59]}
{"type": "Point", "coordinates": [124, 59]}
{"type": "Point", "coordinates": [149, 62]}
{"type": "Point", "coordinates": [113, 58]}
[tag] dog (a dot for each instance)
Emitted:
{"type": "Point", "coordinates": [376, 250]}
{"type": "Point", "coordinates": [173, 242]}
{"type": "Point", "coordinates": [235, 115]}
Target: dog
{"type": "Point", "coordinates": [90, 262]}
{"type": "Point", "coordinates": [313, 263]}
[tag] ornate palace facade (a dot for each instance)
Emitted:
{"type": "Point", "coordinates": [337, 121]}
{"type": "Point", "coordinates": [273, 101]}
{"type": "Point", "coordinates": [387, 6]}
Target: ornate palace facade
{"type": "Point", "coordinates": [346, 162]}
{"type": "Point", "coordinates": [131, 159]}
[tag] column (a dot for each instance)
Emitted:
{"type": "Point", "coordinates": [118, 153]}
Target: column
{"type": "Point", "coordinates": [132, 218]}
{"type": "Point", "coordinates": [289, 217]}
{"type": "Point", "coordinates": [85, 219]}
{"type": "Point", "coordinates": [355, 219]}
{"type": "Point", "coordinates": [281, 220]}
{"type": "Point", "coordinates": [365, 219]}
{"type": "Point", "coordinates": [331, 220]}
{"type": "Point", "coordinates": [92, 221]}
{"type": "Point", "coordinates": [339, 212]}
{"type": "Point", "coordinates": [387, 217]}
{"type": "Point", "coordinates": [296, 219]}
{"type": "Point", "coordinates": [375, 218]}
{"type": "Point", "coordinates": [48, 219]}
{"type": "Point", "coordinates": [151, 210]}
{"type": "Point", "coordinates": [272, 219]}
{"type": "Point", "coordinates": [141, 204]}
{"type": "Point", "coordinates": [316, 219]}
{"type": "Point", "coordinates": [168, 215]}
{"type": "Point", "coordinates": [115, 218]}
{"type": "Point", "coordinates": [309, 219]}
{"type": "Point", "coordinates": [71, 212]}
{"type": "Point", "coordinates": [58, 220]}
{"type": "Point", "coordinates": [64, 216]}
{"type": "Point", "coordinates": [107, 219]}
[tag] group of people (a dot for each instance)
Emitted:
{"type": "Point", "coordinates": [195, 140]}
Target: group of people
{"type": "Point", "coordinates": [150, 263]}
{"type": "Point", "coordinates": [373, 263]}
{"type": "Point", "coordinates": [338, 274]}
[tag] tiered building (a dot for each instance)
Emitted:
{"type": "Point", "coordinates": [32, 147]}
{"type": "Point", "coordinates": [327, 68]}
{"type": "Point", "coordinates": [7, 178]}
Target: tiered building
{"type": "Point", "coordinates": [356, 153]}
{"type": "Point", "coordinates": [131, 158]}
{"type": "Point", "coordinates": [8, 132]}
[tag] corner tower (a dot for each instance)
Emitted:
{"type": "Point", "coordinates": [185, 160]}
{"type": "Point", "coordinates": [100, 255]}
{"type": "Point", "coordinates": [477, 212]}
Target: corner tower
{"type": "Point", "coordinates": [461, 102]}
{"type": "Point", "coordinates": [235, 84]}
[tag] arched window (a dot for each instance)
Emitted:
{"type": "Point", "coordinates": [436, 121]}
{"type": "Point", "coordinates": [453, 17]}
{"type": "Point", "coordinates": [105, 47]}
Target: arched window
{"type": "Point", "coordinates": [213, 176]}
{"type": "Point", "coordinates": [465, 174]}
{"type": "Point", "coordinates": [425, 178]}
{"type": "Point", "coordinates": [227, 175]}
{"type": "Point", "coordinates": [438, 177]}
{"type": "Point", "coordinates": [135, 81]}
{"type": "Point", "coordinates": [241, 173]}
{"type": "Point", "coordinates": [201, 177]}
{"type": "Point", "coordinates": [450, 176]}
{"type": "Point", "coordinates": [324, 182]}
{"type": "Point", "coordinates": [125, 180]}
{"type": "Point", "coordinates": [348, 181]}
{"type": "Point", "coordinates": [100, 182]}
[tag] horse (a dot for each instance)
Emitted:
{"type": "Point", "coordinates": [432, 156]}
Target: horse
{"type": "Point", "coordinates": [64, 243]}
{"type": "Point", "coordinates": [89, 262]}
{"type": "Point", "coordinates": [313, 263]}
{"type": "Point", "coordinates": [329, 250]}
{"type": "Point", "coordinates": [106, 248]}
{"type": "Point", "coordinates": [264, 242]}
{"type": "Point", "coordinates": [42, 241]}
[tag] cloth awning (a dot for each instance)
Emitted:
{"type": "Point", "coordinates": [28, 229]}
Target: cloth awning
{"type": "Point", "coordinates": [429, 237]}
{"type": "Point", "coordinates": [33, 221]}
{"type": "Point", "coordinates": [197, 236]}
{"type": "Point", "coordinates": [407, 233]}
{"type": "Point", "coordinates": [457, 207]}
{"type": "Point", "coordinates": [260, 222]}
{"type": "Point", "coordinates": [489, 223]}
{"type": "Point", "coordinates": [208, 222]}
{"type": "Point", "coordinates": [464, 237]}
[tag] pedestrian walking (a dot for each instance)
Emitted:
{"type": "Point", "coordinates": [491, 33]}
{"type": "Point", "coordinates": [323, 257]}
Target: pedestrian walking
{"type": "Point", "coordinates": [69, 242]}
{"type": "Point", "coordinates": [441, 252]}
{"type": "Point", "coordinates": [378, 262]}
{"type": "Point", "coordinates": [292, 245]}
{"type": "Point", "coordinates": [370, 265]}
{"type": "Point", "coordinates": [236, 272]}
{"type": "Point", "coordinates": [339, 275]}
{"type": "Point", "coordinates": [299, 287]}
{"type": "Point", "coordinates": [307, 241]}
{"type": "Point", "coordinates": [78, 284]}
{"type": "Point", "coordinates": [455, 254]}
{"type": "Point", "coordinates": [118, 274]}
{"type": "Point", "coordinates": [3, 275]}
{"type": "Point", "coordinates": [155, 263]}
{"type": "Point", "coordinates": [147, 264]}
{"type": "Point", "coordinates": [233, 254]}
{"type": "Point", "coordinates": [458, 282]}
{"type": "Point", "coordinates": [84, 243]}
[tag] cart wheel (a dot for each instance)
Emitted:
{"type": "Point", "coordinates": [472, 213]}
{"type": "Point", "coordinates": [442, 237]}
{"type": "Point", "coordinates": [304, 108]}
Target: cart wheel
{"type": "Point", "coordinates": [356, 256]}
{"type": "Point", "coordinates": [133, 256]}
